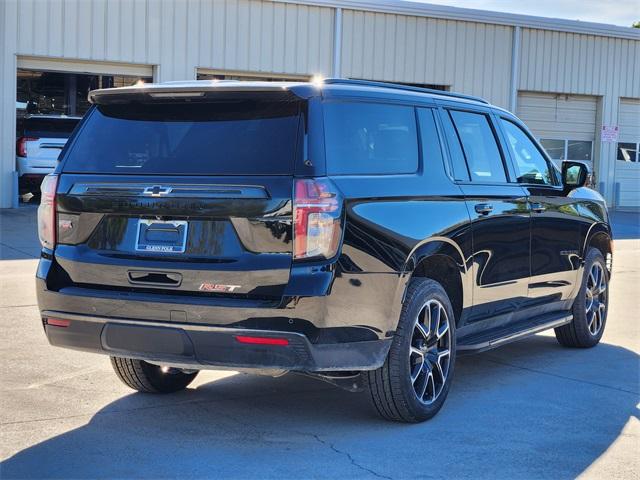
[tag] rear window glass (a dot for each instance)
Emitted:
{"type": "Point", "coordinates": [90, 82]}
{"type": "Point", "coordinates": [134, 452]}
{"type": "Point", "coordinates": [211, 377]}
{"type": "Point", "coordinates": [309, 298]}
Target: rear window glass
{"type": "Point", "coordinates": [231, 137]}
{"type": "Point", "coordinates": [47, 127]}
{"type": "Point", "coordinates": [369, 138]}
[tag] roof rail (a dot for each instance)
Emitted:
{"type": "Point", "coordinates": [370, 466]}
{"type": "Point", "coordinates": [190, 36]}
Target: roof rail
{"type": "Point", "coordinates": [399, 86]}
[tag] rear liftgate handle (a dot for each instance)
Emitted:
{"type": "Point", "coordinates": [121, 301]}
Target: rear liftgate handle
{"type": "Point", "coordinates": [164, 279]}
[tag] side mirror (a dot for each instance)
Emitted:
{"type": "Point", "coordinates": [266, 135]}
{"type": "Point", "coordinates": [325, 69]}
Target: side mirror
{"type": "Point", "coordinates": [574, 175]}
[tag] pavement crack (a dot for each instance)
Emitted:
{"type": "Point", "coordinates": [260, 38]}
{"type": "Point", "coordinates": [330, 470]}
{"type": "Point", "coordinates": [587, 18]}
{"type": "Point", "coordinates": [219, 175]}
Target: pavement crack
{"type": "Point", "coordinates": [349, 456]}
{"type": "Point", "coordinates": [564, 377]}
{"type": "Point", "coordinates": [19, 250]}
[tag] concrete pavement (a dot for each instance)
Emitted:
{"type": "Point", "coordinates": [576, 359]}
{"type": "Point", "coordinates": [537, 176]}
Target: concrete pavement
{"type": "Point", "coordinates": [528, 410]}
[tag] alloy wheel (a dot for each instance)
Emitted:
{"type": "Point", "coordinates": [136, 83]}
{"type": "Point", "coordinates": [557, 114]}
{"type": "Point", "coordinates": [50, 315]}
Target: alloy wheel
{"type": "Point", "coordinates": [596, 299]}
{"type": "Point", "coordinates": [430, 352]}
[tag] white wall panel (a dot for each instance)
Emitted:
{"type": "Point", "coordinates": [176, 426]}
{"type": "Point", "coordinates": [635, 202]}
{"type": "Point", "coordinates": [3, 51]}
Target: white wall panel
{"type": "Point", "coordinates": [469, 57]}
{"type": "Point", "coordinates": [248, 35]}
{"type": "Point", "coordinates": [563, 62]}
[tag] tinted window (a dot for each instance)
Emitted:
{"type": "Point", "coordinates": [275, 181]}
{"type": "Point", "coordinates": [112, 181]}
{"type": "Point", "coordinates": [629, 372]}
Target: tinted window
{"type": "Point", "coordinates": [479, 145]}
{"type": "Point", "coordinates": [368, 138]}
{"type": "Point", "coordinates": [431, 150]}
{"type": "Point", "coordinates": [460, 170]}
{"type": "Point", "coordinates": [47, 127]}
{"type": "Point", "coordinates": [238, 137]}
{"type": "Point", "coordinates": [531, 166]}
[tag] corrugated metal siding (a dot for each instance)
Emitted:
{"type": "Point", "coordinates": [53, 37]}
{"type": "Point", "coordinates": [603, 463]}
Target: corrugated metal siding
{"type": "Point", "coordinates": [580, 64]}
{"type": "Point", "coordinates": [469, 57]}
{"type": "Point", "coordinates": [558, 116]}
{"type": "Point", "coordinates": [250, 35]}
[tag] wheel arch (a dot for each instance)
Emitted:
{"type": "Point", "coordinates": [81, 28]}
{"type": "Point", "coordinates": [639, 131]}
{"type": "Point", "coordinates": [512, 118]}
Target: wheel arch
{"type": "Point", "coordinates": [599, 237]}
{"type": "Point", "coordinates": [442, 260]}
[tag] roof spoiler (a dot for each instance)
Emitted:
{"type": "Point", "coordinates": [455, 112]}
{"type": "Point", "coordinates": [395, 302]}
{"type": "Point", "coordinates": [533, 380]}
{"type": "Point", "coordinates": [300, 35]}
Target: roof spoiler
{"type": "Point", "coordinates": [174, 91]}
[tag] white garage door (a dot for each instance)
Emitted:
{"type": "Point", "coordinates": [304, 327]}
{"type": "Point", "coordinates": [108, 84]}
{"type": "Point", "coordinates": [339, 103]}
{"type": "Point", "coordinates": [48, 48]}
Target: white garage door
{"type": "Point", "coordinates": [565, 124]}
{"type": "Point", "coordinates": [627, 173]}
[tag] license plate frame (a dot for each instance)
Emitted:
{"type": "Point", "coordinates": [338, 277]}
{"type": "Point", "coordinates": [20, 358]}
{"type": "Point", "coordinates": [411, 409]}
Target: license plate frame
{"type": "Point", "coordinates": [177, 227]}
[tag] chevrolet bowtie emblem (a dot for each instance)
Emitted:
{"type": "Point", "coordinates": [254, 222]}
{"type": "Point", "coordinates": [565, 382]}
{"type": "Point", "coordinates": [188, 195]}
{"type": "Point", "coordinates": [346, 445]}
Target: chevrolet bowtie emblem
{"type": "Point", "coordinates": [157, 191]}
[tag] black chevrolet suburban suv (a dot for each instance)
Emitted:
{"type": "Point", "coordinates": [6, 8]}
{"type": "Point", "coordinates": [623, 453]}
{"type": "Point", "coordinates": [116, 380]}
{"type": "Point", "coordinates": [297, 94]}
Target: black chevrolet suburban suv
{"type": "Point", "coordinates": [363, 233]}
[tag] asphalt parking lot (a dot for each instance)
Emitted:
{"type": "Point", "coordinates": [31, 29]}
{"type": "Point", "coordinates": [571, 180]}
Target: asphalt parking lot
{"type": "Point", "coordinates": [528, 410]}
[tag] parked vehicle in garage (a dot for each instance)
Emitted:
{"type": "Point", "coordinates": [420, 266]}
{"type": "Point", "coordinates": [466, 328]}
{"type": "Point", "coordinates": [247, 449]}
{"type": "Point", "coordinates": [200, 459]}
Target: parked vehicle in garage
{"type": "Point", "coordinates": [360, 232]}
{"type": "Point", "coordinates": [40, 139]}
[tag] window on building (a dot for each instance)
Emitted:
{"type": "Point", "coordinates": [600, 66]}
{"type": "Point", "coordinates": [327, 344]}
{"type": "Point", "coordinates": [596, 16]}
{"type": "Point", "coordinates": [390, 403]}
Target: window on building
{"type": "Point", "coordinates": [555, 148]}
{"type": "Point", "coordinates": [248, 77]}
{"type": "Point", "coordinates": [59, 93]}
{"type": "Point", "coordinates": [431, 86]}
{"type": "Point", "coordinates": [581, 150]}
{"type": "Point", "coordinates": [370, 138]}
{"type": "Point", "coordinates": [479, 145]}
{"type": "Point", "coordinates": [531, 166]}
{"type": "Point", "coordinates": [628, 152]}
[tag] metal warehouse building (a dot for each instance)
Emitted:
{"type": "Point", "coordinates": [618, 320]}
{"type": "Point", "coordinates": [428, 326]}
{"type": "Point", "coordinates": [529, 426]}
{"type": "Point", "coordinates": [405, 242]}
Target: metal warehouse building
{"type": "Point", "coordinates": [576, 84]}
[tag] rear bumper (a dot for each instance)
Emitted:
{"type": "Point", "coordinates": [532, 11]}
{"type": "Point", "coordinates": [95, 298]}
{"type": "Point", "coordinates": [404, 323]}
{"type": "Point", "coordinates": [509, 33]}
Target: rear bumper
{"type": "Point", "coordinates": [206, 346]}
{"type": "Point", "coordinates": [28, 166]}
{"type": "Point", "coordinates": [349, 329]}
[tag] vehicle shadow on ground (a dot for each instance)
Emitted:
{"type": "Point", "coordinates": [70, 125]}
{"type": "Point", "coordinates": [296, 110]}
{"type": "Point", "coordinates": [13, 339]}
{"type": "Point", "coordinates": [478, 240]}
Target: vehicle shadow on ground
{"type": "Point", "coordinates": [531, 409]}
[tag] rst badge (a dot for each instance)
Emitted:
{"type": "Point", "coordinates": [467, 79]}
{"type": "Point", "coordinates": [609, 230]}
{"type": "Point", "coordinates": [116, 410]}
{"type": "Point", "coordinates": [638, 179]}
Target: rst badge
{"type": "Point", "coordinates": [218, 287]}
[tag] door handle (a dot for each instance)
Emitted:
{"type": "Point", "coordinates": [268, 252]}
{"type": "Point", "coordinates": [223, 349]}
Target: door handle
{"type": "Point", "coordinates": [484, 208]}
{"type": "Point", "coordinates": [538, 207]}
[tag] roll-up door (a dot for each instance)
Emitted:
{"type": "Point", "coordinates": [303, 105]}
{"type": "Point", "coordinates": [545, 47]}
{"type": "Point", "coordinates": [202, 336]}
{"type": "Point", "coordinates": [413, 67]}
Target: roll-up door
{"type": "Point", "coordinates": [627, 172]}
{"type": "Point", "coordinates": [565, 124]}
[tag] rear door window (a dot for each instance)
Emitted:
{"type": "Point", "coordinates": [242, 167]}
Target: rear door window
{"type": "Point", "coordinates": [479, 146]}
{"type": "Point", "coordinates": [231, 137]}
{"type": "Point", "coordinates": [370, 138]}
{"type": "Point", "coordinates": [48, 127]}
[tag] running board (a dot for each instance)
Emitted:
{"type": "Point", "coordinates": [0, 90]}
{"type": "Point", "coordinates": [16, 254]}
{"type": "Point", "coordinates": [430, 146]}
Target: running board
{"type": "Point", "coordinates": [479, 342]}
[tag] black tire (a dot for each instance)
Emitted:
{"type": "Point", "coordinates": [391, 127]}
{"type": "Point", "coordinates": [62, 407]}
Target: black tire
{"type": "Point", "coordinates": [395, 386]}
{"type": "Point", "coordinates": [150, 378]}
{"type": "Point", "coordinates": [590, 308]}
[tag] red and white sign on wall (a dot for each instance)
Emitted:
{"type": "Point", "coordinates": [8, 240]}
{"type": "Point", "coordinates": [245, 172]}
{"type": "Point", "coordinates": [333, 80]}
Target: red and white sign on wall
{"type": "Point", "coordinates": [609, 133]}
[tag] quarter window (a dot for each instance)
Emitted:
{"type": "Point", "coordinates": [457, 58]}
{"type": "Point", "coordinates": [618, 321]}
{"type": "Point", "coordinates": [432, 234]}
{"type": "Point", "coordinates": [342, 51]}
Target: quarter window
{"type": "Point", "coordinates": [479, 145]}
{"type": "Point", "coordinates": [370, 138]}
{"type": "Point", "coordinates": [531, 166]}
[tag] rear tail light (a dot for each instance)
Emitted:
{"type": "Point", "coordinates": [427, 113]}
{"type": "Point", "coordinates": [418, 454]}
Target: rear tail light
{"type": "Point", "coordinates": [316, 211]}
{"type": "Point", "coordinates": [21, 145]}
{"type": "Point", "coordinates": [47, 211]}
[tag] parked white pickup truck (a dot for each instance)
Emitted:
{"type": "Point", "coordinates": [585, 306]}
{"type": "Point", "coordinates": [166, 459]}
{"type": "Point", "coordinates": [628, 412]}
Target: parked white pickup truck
{"type": "Point", "coordinates": [40, 139]}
